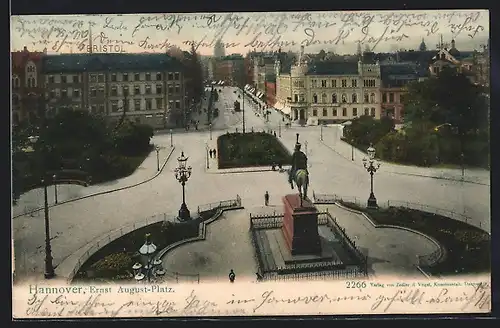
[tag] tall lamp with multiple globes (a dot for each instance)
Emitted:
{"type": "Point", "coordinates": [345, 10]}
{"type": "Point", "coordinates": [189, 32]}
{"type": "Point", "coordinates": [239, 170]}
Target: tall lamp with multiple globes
{"type": "Point", "coordinates": [371, 165]}
{"type": "Point", "coordinates": [182, 174]}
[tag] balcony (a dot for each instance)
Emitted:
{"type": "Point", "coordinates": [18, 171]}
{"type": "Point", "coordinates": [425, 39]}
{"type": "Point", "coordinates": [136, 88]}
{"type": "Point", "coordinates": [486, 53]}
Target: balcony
{"type": "Point", "coordinates": [297, 103]}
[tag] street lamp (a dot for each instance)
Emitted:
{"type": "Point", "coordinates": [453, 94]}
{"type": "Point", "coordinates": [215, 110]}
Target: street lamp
{"type": "Point", "coordinates": [462, 163]}
{"type": "Point", "coordinates": [208, 155]}
{"type": "Point", "coordinates": [49, 268]}
{"type": "Point", "coordinates": [157, 149]}
{"type": "Point", "coordinates": [182, 174]}
{"type": "Point", "coordinates": [54, 177]}
{"type": "Point", "coordinates": [371, 166]}
{"type": "Point", "coordinates": [171, 141]}
{"type": "Point", "coordinates": [147, 250]}
{"type": "Point", "coordinates": [210, 129]}
{"type": "Point", "coordinates": [352, 149]}
{"type": "Point", "coordinates": [279, 129]}
{"type": "Point", "coordinates": [321, 132]}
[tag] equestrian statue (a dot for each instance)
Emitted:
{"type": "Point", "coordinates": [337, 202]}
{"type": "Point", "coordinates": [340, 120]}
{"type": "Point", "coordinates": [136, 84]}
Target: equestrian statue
{"type": "Point", "coordinates": [298, 172]}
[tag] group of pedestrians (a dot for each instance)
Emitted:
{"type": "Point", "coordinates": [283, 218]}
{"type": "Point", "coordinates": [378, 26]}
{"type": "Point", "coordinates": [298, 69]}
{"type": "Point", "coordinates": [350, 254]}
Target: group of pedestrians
{"type": "Point", "coordinates": [212, 153]}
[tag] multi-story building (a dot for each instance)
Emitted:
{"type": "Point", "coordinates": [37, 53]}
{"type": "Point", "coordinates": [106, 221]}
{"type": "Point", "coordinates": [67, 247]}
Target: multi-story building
{"type": "Point", "coordinates": [27, 85]}
{"type": "Point", "coordinates": [147, 88]}
{"type": "Point", "coordinates": [270, 92]}
{"type": "Point", "coordinates": [329, 92]}
{"type": "Point", "coordinates": [230, 69]}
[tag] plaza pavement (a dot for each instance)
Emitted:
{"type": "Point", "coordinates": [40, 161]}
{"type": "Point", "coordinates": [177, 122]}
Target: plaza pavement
{"type": "Point", "coordinates": [75, 224]}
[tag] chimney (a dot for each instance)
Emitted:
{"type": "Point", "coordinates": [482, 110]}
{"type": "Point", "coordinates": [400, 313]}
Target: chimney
{"type": "Point", "coordinates": [25, 49]}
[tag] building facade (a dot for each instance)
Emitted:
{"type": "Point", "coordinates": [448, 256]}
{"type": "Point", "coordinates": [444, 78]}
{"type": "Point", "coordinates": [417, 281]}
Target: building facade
{"type": "Point", "coordinates": [27, 86]}
{"type": "Point", "coordinates": [147, 88]}
{"type": "Point", "coordinates": [329, 92]}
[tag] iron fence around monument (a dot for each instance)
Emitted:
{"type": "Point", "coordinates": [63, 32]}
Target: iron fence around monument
{"type": "Point", "coordinates": [221, 204]}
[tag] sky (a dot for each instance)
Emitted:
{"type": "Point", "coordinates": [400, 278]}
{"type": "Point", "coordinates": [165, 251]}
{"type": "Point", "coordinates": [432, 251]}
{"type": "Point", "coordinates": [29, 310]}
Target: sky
{"type": "Point", "coordinates": [340, 32]}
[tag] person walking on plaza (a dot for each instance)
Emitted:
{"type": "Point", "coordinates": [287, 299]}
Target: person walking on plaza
{"type": "Point", "coordinates": [266, 198]}
{"type": "Point", "coordinates": [211, 153]}
{"type": "Point", "coordinates": [232, 275]}
{"type": "Point", "coordinates": [215, 153]}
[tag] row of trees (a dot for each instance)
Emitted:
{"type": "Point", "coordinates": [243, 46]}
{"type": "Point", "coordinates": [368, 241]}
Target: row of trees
{"type": "Point", "coordinates": [446, 122]}
{"type": "Point", "coordinates": [75, 140]}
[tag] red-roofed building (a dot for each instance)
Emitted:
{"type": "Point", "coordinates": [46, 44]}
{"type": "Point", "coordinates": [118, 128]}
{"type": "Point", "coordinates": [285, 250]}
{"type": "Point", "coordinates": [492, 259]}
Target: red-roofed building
{"type": "Point", "coordinates": [27, 85]}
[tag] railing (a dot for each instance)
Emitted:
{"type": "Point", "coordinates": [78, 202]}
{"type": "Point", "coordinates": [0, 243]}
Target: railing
{"type": "Point", "coordinates": [347, 273]}
{"type": "Point", "coordinates": [103, 241]}
{"type": "Point", "coordinates": [332, 198]}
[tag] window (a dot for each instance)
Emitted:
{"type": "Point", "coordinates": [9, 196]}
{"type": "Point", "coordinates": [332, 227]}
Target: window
{"type": "Point", "coordinates": [170, 89]}
{"type": "Point", "coordinates": [76, 93]}
{"type": "Point", "coordinates": [295, 97]}
{"type": "Point", "coordinates": [100, 92]}
{"type": "Point", "coordinates": [344, 111]}
{"type": "Point", "coordinates": [137, 77]}
{"type": "Point", "coordinates": [323, 83]}
{"type": "Point", "coordinates": [158, 76]}
{"type": "Point", "coordinates": [315, 112]}
{"type": "Point", "coordinates": [125, 77]}
{"type": "Point", "coordinates": [52, 94]}
{"type": "Point", "coordinates": [93, 108]}
{"type": "Point", "coordinates": [114, 106]}
{"type": "Point", "coordinates": [93, 92]}
{"type": "Point", "coordinates": [51, 79]}
{"type": "Point", "coordinates": [93, 78]}
{"type": "Point", "coordinates": [70, 79]}
{"type": "Point", "coordinates": [176, 76]}
{"type": "Point", "coordinates": [137, 89]}
{"type": "Point", "coordinates": [177, 88]}
{"type": "Point", "coordinates": [64, 79]}
{"type": "Point", "coordinates": [177, 104]}
{"type": "Point", "coordinates": [354, 112]}
{"type": "Point", "coordinates": [372, 112]}
{"type": "Point", "coordinates": [354, 98]}
{"type": "Point", "coordinates": [100, 78]}
{"type": "Point", "coordinates": [391, 97]}
{"type": "Point", "coordinates": [372, 97]}
{"type": "Point", "coordinates": [149, 104]}
{"type": "Point", "coordinates": [384, 97]}
{"type": "Point", "coordinates": [148, 89]}
{"type": "Point", "coordinates": [325, 112]}
{"type": "Point", "coordinates": [137, 104]}
{"type": "Point", "coordinates": [354, 83]}
{"type": "Point", "coordinates": [344, 83]}
{"type": "Point", "coordinates": [334, 83]}
{"type": "Point", "coordinates": [334, 98]}
{"type": "Point", "coordinates": [113, 77]}
{"type": "Point", "coordinates": [314, 83]}
{"type": "Point", "coordinates": [158, 89]}
{"type": "Point", "coordinates": [170, 104]}
{"type": "Point", "coordinates": [170, 76]}
{"type": "Point", "coordinates": [366, 98]}
{"type": "Point", "coordinates": [159, 103]}
{"type": "Point", "coordinates": [402, 98]}
{"type": "Point", "coordinates": [148, 76]}
{"type": "Point", "coordinates": [64, 93]}
{"type": "Point", "coordinates": [76, 79]}
{"type": "Point", "coordinates": [101, 108]}
{"type": "Point", "coordinates": [114, 91]}
{"type": "Point", "coordinates": [367, 111]}
{"type": "Point", "coordinates": [315, 98]}
{"type": "Point", "coordinates": [334, 112]}
{"type": "Point", "coordinates": [344, 98]}
{"type": "Point", "coordinates": [323, 98]}
{"type": "Point", "coordinates": [125, 90]}
{"type": "Point", "coordinates": [16, 82]}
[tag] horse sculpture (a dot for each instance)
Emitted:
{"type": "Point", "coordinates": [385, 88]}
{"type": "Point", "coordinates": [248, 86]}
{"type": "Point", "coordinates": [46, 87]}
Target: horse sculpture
{"type": "Point", "coordinates": [301, 179]}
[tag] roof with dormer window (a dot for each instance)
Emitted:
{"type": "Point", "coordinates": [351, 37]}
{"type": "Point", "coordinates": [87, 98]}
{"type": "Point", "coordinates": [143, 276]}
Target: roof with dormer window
{"type": "Point", "coordinates": [333, 68]}
{"type": "Point", "coordinates": [109, 62]}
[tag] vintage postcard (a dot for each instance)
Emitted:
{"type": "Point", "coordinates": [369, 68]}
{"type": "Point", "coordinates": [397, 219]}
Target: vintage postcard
{"type": "Point", "coordinates": [239, 164]}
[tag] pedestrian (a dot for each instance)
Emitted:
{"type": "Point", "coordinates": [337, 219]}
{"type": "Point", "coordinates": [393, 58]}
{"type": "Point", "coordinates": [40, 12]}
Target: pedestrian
{"type": "Point", "coordinates": [215, 153]}
{"type": "Point", "coordinates": [232, 275]}
{"type": "Point", "coordinates": [274, 134]}
{"type": "Point", "coordinates": [266, 198]}
{"type": "Point", "coordinates": [211, 153]}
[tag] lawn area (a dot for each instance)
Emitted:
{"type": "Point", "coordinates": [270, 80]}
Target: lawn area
{"type": "Point", "coordinates": [115, 260]}
{"type": "Point", "coordinates": [251, 149]}
{"type": "Point", "coordinates": [468, 249]}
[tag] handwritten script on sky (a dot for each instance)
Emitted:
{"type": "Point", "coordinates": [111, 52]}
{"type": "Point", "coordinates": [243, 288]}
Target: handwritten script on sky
{"type": "Point", "coordinates": [241, 32]}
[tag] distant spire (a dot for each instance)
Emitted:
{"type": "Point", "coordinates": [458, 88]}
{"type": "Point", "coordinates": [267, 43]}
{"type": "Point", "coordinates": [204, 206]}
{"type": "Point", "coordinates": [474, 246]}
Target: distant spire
{"type": "Point", "coordinates": [359, 51]}
{"type": "Point", "coordinates": [422, 46]}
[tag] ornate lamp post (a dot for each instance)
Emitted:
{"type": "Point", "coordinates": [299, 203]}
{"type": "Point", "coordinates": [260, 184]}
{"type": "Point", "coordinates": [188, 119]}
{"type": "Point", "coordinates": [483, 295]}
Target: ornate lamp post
{"type": "Point", "coordinates": [157, 149]}
{"type": "Point", "coordinates": [147, 250]}
{"type": "Point", "coordinates": [49, 268]}
{"type": "Point", "coordinates": [210, 129]}
{"type": "Point", "coordinates": [371, 166]}
{"type": "Point", "coordinates": [182, 174]}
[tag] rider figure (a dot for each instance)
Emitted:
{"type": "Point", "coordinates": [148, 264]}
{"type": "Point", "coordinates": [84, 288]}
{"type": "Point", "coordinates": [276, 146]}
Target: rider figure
{"type": "Point", "coordinates": [299, 161]}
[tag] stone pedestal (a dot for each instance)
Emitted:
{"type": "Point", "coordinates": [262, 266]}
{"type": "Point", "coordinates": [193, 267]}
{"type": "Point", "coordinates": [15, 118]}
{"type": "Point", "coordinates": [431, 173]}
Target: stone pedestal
{"type": "Point", "coordinates": [300, 226]}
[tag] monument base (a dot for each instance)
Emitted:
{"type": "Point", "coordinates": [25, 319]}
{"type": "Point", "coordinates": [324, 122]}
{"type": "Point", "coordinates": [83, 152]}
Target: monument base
{"type": "Point", "coordinates": [300, 226]}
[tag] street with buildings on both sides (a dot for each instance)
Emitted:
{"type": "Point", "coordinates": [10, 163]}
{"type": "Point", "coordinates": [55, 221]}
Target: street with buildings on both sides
{"type": "Point", "coordinates": [75, 224]}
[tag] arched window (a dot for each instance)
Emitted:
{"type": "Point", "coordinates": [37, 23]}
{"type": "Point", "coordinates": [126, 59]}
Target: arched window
{"type": "Point", "coordinates": [354, 98]}
{"type": "Point", "coordinates": [344, 98]}
{"type": "Point", "coordinates": [323, 98]}
{"type": "Point", "coordinates": [31, 75]}
{"type": "Point", "coordinates": [16, 83]}
{"type": "Point", "coordinates": [366, 98]}
{"type": "Point", "coordinates": [334, 98]}
{"type": "Point", "coordinates": [372, 98]}
{"type": "Point", "coordinates": [315, 98]}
